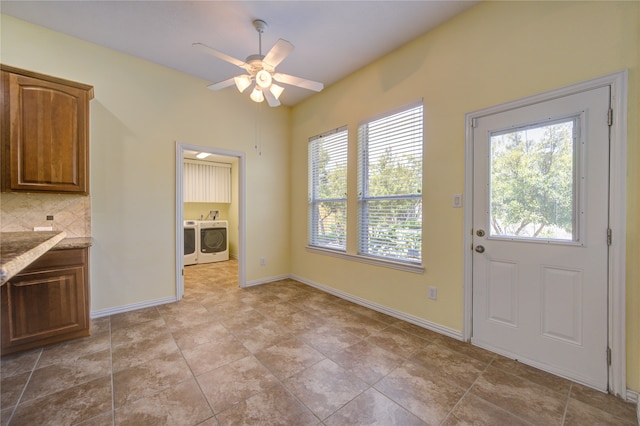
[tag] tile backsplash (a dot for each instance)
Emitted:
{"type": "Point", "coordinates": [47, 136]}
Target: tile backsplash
{"type": "Point", "coordinates": [24, 211]}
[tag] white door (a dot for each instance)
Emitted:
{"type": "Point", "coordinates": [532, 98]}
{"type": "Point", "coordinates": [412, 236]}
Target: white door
{"type": "Point", "coordinates": [540, 220]}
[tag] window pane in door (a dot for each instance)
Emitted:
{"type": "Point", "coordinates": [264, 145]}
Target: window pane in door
{"type": "Point", "coordinates": [533, 183]}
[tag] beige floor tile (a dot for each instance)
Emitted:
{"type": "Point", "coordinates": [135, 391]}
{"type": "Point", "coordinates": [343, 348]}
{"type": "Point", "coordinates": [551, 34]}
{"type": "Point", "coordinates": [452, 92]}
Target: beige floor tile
{"type": "Point", "coordinates": [362, 310]}
{"type": "Point", "coordinates": [373, 408]}
{"type": "Point", "coordinates": [200, 334]}
{"type": "Point", "coordinates": [328, 340]}
{"type": "Point", "coordinates": [455, 366]}
{"type": "Point", "coordinates": [62, 352]}
{"type": "Point", "coordinates": [325, 387]}
{"type": "Point", "coordinates": [11, 365]}
{"type": "Point", "coordinates": [397, 341]}
{"type": "Point", "coordinates": [11, 389]}
{"type": "Point", "coordinates": [210, 356]}
{"type": "Point", "coordinates": [68, 406]}
{"type": "Point", "coordinates": [125, 335]}
{"type": "Point", "coordinates": [465, 348]}
{"type": "Point", "coordinates": [423, 392]}
{"type": "Point", "coordinates": [182, 405]}
{"type": "Point", "coordinates": [185, 319]}
{"type": "Point", "coordinates": [548, 380]}
{"type": "Point", "coordinates": [104, 419]}
{"type": "Point", "coordinates": [234, 382]}
{"type": "Point", "coordinates": [273, 407]}
{"type": "Point", "coordinates": [288, 357]}
{"type": "Point", "coordinates": [138, 316]}
{"type": "Point", "coordinates": [100, 325]}
{"type": "Point", "coordinates": [368, 361]}
{"type": "Point", "coordinates": [57, 377]}
{"type": "Point", "coordinates": [527, 400]}
{"type": "Point", "coordinates": [280, 309]}
{"type": "Point", "coordinates": [149, 378]}
{"type": "Point", "coordinates": [262, 336]}
{"type": "Point", "coordinates": [356, 324]}
{"type": "Point", "coordinates": [607, 403]}
{"type": "Point", "coordinates": [420, 332]}
{"type": "Point", "coordinates": [579, 414]}
{"type": "Point", "coordinates": [375, 369]}
{"type": "Point", "coordinates": [140, 351]}
{"type": "Point", "coordinates": [472, 410]}
{"type": "Point", "coordinates": [298, 322]}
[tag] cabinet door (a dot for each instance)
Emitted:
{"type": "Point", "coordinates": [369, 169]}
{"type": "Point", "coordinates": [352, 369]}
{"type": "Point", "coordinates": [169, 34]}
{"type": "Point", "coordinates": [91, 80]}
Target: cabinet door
{"type": "Point", "coordinates": [41, 305]}
{"type": "Point", "coordinates": [48, 135]}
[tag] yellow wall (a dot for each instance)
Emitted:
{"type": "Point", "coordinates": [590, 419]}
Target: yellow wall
{"type": "Point", "coordinates": [494, 53]}
{"type": "Point", "coordinates": [139, 112]}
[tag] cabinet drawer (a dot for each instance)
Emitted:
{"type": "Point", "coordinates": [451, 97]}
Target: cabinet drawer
{"type": "Point", "coordinates": [58, 258]}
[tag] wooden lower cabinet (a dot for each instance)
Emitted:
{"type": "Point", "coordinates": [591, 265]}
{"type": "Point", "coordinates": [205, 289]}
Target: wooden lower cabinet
{"type": "Point", "coordinates": [48, 302]}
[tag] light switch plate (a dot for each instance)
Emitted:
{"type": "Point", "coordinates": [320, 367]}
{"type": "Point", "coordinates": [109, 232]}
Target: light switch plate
{"type": "Point", "coordinates": [457, 201]}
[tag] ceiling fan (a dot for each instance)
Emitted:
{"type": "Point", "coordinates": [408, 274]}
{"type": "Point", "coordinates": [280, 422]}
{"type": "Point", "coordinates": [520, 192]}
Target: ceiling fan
{"type": "Point", "coordinates": [261, 70]}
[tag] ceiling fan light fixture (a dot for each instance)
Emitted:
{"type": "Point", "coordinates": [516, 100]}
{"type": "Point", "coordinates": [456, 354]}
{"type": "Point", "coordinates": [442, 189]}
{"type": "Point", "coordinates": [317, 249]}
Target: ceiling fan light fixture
{"type": "Point", "coordinates": [263, 78]}
{"type": "Point", "coordinates": [276, 90]}
{"type": "Point", "coordinates": [242, 82]}
{"type": "Point", "coordinates": [256, 95]}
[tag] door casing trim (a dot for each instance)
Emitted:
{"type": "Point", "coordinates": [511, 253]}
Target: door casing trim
{"type": "Point", "coordinates": [181, 147]}
{"type": "Point", "coordinates": [618, 82]}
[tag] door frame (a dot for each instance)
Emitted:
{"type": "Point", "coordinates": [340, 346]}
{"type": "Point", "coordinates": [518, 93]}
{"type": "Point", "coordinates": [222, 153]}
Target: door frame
{"type": "Point", "coordinates": [180, 150]}
{"type": "Point", "coordinates": [617, 214]}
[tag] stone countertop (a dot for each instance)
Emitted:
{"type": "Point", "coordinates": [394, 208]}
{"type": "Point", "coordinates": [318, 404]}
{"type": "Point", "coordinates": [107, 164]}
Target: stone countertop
{"type": "Point", "coordinates": [19, 249]}
{"type": "Point", "coordinates": [73, 243]}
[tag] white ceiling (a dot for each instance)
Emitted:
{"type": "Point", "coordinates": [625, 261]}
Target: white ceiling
{"type": "Point", "coordinates": [332, 39]}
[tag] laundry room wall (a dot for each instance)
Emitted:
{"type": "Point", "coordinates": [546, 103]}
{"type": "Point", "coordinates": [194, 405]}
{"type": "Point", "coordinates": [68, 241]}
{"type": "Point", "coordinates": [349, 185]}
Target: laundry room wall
{"type": "Point", "coordinates": [200, 211]}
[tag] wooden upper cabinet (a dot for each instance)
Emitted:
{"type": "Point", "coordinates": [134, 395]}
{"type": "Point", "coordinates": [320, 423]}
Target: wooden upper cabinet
{"type": "Point", "coordinates": [45, 136]}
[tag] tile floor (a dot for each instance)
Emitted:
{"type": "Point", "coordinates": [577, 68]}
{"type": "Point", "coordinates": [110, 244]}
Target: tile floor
{"type": "Point", "coordinates": [282, 354]}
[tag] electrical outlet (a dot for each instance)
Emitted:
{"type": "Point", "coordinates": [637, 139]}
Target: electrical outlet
{"type": "Point", "coordinates": [49, 217]}
{"type": "Point", "coordinates": [433, 293]}
{"type": "Point", "coordinates": [263, 261]}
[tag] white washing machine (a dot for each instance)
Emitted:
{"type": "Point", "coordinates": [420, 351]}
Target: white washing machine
{"type": "Point", "coordinates": [213, 241]}
{"type": "Point", "coordinates": [191, 242]}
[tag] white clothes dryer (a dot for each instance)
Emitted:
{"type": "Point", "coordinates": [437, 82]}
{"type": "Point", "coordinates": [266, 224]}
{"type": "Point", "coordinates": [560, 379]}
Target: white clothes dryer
{"type": "Point", "coordinates": [214, 241]}
{"type": "Point", "coordinates": [191, 242]}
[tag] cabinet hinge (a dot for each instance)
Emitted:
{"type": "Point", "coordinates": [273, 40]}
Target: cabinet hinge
{"type": "Point", "coordinates": [609, 236]}
{"type": "Point", "coordinates": [610, 117]}
{"type": "Point", "coordinates": [608, 355]}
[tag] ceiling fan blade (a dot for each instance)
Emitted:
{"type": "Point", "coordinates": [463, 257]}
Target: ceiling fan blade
{"type": "Point", "coordinates": [297, 81]}
{"type": "Point", "coordinates": [221, 84]}
{"type": "Point", "coordinates": [211, 51]}
{"type": "Point", "coordinates": [278, 52]}
{"type": "Point", "coordinates": [271, 100]}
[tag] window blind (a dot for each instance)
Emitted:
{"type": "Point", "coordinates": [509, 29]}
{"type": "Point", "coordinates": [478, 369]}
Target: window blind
{"type": "Point", "coordinates": [207, 182]}
{"type": "Point", "coordinates": [390, 186]}
{"type": "Point", "coordinates": [327, 207]}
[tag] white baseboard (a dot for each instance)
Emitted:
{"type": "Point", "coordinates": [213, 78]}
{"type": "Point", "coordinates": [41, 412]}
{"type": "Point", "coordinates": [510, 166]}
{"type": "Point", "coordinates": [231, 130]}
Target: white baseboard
{"type": "Point", "coordinates": [266, 280]}
{"type": "Point", "coordinates": [633, 396]}
{"type": "Point", "coordinates": [383, 309]}
{"type": "Point", "coordinates": [132, 307]}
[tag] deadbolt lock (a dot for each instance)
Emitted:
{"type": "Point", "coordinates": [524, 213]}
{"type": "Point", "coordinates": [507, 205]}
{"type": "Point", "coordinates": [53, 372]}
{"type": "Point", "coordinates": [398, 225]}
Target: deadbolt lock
{"type": "Point", "coordinates": [480, 232]}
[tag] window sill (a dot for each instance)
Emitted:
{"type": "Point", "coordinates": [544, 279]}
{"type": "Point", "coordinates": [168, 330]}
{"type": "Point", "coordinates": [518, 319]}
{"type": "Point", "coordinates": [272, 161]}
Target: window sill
{"type": "Point", "coordinates": [417, 269]}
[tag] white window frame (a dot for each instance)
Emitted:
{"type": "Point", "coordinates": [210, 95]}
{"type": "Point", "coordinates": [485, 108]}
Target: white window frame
{"type": "Point", "coordinates": [364, 196]}
{"type": "Point", "coordinates": [339, 140]}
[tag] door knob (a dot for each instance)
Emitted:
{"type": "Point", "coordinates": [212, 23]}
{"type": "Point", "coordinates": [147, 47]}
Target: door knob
{"type": "Point", "coordinates": [480, 249]}
{"type": "Point", "coordinates": [480, 232]}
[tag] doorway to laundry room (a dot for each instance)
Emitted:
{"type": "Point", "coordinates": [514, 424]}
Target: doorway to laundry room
{"type": "Point", "coordinates": [209, 209]}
